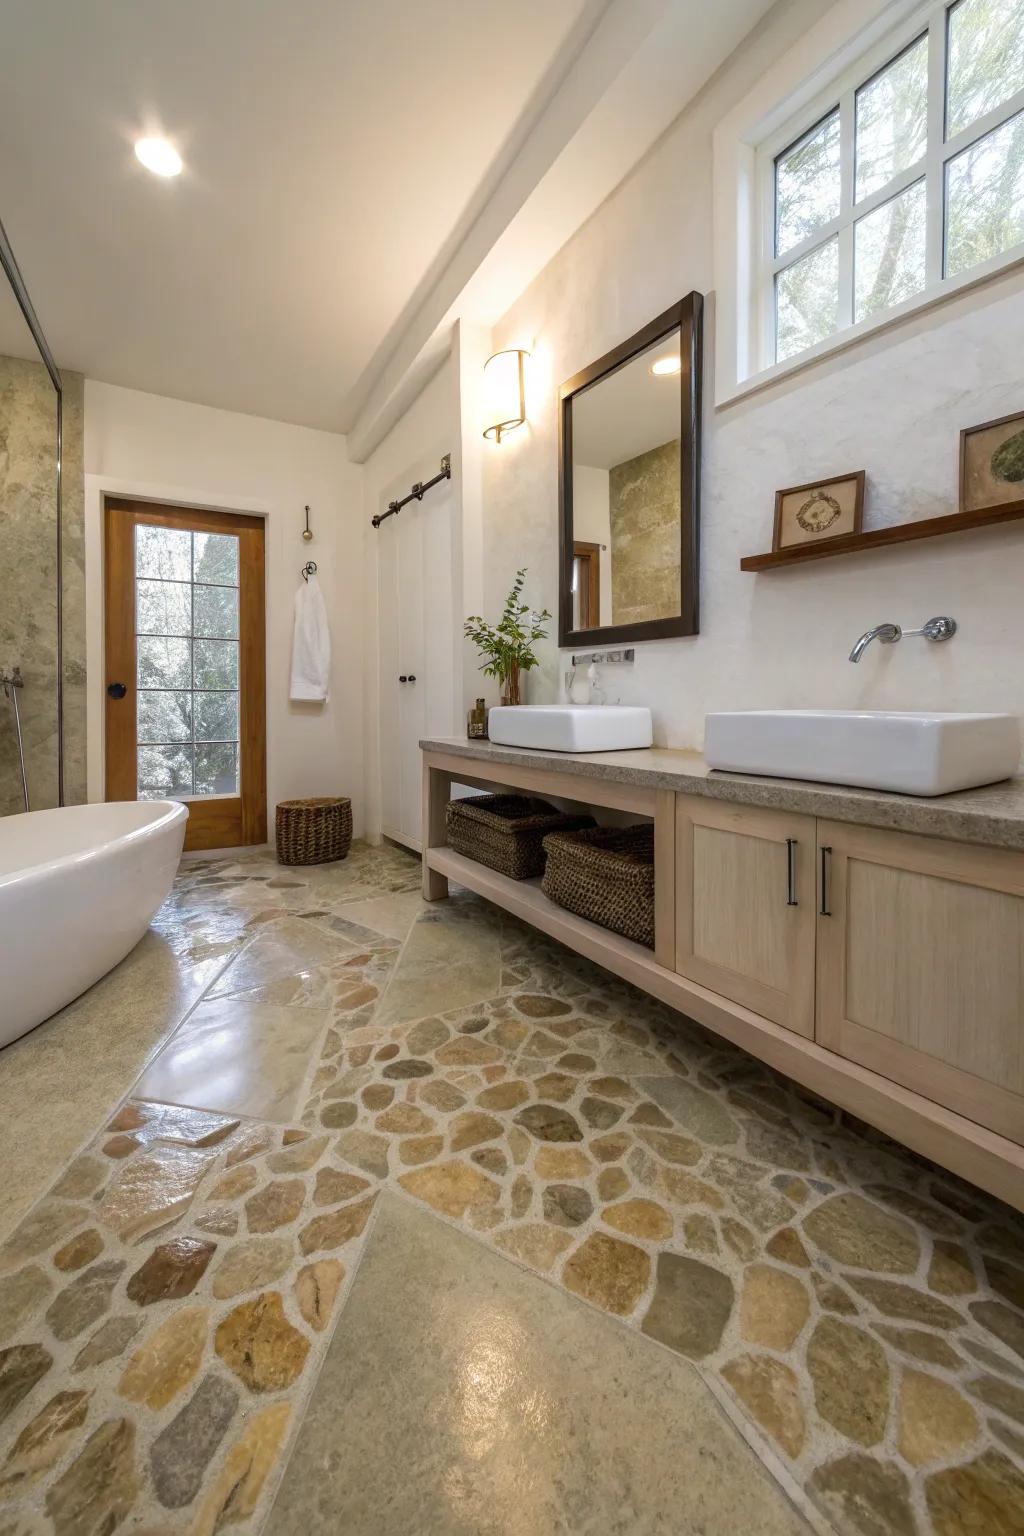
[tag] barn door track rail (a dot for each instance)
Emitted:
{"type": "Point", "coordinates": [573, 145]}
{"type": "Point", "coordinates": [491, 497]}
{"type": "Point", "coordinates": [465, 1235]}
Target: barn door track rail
{"type": "Point", "coordinates": [417, 493]}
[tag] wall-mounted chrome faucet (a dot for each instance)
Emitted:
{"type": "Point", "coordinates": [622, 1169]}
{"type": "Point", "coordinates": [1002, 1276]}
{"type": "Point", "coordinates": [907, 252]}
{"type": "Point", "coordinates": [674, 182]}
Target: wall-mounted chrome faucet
{"type": "Point", "coordinates": [935, 629]}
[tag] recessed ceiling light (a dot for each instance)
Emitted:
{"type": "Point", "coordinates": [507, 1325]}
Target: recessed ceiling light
{"type": "Point", "coordinates": [665, 365]}
{"type": "Point", "coordinates": [158, 156]}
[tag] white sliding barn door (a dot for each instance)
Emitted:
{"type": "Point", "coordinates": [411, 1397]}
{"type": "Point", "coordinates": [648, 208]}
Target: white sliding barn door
{"type": "Point", "coordinates": [416, 643]}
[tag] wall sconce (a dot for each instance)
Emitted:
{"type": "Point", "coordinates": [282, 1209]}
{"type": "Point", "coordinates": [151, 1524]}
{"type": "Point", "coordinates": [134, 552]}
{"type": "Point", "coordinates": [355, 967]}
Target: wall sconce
{"type": "Point", "coordinates": [505, 391]}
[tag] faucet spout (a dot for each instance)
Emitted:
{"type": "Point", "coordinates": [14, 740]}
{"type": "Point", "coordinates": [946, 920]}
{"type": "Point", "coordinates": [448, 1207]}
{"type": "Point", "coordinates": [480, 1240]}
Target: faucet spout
{"type": "Point", "coordinates": [887, 634]}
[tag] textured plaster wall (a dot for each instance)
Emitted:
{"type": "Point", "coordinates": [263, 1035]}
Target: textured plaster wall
{"type": "Point", "coordinates": [892, 405]}
{"type": "Point", "coordinates": [28, 572]}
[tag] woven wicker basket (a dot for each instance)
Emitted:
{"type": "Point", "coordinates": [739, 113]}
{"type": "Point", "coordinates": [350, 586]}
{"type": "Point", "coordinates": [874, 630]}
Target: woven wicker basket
{"type": "Point", "coordinates": [506, 832]}
{"type": "Point", "coordinates": [606, 875]}
{"type": "Point", "coordinates": [313, 831]}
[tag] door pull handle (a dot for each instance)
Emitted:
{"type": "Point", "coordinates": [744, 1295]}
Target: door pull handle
{"type": "Point", "coordinates": [825, 910]}
{"type": "Point", "coordinates": [791, 846]}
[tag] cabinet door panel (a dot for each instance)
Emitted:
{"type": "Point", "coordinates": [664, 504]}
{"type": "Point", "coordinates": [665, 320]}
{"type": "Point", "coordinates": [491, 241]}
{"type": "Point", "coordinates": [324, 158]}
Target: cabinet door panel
{"type": "Point", "coordinates": [737, 931]}
{"type": "Point", "coordinates": [921, 968]}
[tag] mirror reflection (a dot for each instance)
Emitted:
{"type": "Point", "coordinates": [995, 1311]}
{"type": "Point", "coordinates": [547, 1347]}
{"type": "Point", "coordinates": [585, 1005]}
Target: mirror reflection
{"type": "Point", "coordinates": [626, 492]}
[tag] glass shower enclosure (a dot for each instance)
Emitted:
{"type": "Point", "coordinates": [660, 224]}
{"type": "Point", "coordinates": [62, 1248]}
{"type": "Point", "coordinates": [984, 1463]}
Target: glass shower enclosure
{"type": "Point", "coordinates": [36, 671]}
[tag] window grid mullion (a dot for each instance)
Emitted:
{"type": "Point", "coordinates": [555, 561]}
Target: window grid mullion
{"type": "Point", "coordinates": [847, 189]}
{"type": "Point", "coordinates": [818, 237]}
{"type": "Point", "coordinates": [899, 183]}
{"type": "Point", "coordinates": [994, 118]}
{"type": "Point", "coordinates": [935, 194]}
{"type": "Point", "coordinates": [766, 318]}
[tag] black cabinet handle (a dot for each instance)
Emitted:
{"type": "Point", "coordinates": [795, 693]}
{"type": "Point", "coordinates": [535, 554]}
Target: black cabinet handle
{"type": "Point", "coordinates": [791, 900]}
{"type": "Point", "coordinates": [403, 678]}
{"type": "Point", "coordinates": [116, 690]}
{"type": "Point", "coordinates": [412, 677]}
{"type": "Point", "coordinates": [824, 910]}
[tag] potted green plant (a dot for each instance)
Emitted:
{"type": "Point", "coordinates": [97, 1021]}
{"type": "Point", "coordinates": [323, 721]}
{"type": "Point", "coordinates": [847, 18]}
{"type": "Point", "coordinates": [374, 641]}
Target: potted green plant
{"type": "Point", "coordinates": [507, 648]}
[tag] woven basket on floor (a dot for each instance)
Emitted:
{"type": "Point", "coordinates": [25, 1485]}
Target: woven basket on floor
{"type": "Point", "coordinates": [313, 831]}
{"type": "Point", "coordinates": [606, 875]}
{"type": "Point", "coordinates": [506, 832]}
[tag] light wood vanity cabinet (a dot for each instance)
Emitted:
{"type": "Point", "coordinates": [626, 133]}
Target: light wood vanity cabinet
{"type": "Point", "coordinates": [745, 907]}
{"type": "Point", "coordinates": [882, 970]}
{"type": "Point", "coordinates": [920, 967]}
{"type": "Point", "coordinates": [901, 953]}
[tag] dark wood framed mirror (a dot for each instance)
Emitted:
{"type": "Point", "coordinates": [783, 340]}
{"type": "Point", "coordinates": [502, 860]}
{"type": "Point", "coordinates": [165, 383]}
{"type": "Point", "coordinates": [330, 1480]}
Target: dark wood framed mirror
{"type": "Point", "coordinates": [629, 429]}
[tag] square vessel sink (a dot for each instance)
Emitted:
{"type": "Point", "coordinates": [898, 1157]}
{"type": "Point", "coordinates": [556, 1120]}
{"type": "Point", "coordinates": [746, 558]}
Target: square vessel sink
{"type": "Point", "coordinates": [571, 727]}
{"type": "Point", "coordinates": [912, 752]}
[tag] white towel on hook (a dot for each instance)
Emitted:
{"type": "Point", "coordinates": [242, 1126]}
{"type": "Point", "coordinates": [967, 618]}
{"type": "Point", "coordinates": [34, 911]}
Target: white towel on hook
{"type": "Point", "coordinates": [311, 643]}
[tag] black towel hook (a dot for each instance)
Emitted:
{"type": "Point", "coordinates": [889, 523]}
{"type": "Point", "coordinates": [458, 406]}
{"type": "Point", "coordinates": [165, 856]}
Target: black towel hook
{"type": "Point", "coordinates": [308, 570]}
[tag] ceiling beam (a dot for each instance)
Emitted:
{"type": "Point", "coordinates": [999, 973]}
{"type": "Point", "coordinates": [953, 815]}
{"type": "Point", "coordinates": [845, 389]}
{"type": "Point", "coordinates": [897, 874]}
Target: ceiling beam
{"type": "Point", "coordinates": [638, 67]}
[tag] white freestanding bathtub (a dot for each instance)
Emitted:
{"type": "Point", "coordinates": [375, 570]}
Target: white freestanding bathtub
{"type": "Point", "coordinates": [78, 887]}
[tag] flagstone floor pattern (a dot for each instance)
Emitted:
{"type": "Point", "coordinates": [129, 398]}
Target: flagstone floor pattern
{"type": "Point", "coordinates": [165, 1309]}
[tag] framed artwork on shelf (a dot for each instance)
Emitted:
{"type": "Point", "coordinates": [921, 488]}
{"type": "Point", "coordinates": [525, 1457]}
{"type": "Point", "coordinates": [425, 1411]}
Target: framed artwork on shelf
{"type": "Point", "coordinates": [818, 511]}
{"type": "Point", "coordinates": [992, 465]}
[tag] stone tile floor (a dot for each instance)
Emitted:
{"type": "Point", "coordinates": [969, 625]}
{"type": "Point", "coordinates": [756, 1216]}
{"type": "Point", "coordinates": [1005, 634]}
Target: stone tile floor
{"type": "Point", "coordinates": [165, 1309]}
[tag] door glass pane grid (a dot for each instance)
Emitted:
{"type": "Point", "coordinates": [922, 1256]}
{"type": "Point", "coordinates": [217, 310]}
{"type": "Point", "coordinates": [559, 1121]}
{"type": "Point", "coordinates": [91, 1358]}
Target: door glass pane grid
{"type": "Point", "coordinates": [187, 669]}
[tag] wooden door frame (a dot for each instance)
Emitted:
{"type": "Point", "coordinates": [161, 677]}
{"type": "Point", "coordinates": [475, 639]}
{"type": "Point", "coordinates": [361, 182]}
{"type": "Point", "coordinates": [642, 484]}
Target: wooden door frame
{"type": "Point", "coordinates": [589, 556]}
{"type": "Point", "coordinates": [120, 516]}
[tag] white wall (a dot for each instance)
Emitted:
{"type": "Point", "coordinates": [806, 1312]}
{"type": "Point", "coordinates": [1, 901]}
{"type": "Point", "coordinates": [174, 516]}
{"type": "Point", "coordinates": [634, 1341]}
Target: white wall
{"type": "Point", "coordinates": [411, 453]}
{"type": "Point", "coordinates": [161, 449]}
{"type": "Point", "coordinates": [892, 405]}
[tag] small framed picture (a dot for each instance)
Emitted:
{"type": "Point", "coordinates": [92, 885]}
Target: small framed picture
{"type": "Point", "coordinates": [818, 511]}
{"type": "Point", "coordinates": [992, 465]}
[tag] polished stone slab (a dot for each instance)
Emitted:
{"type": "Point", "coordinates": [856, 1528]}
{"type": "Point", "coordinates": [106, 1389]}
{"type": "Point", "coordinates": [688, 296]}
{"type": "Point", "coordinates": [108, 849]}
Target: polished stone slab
{"type": "Point", "coordinates": [451, 959]}
{"type": "Point", "coordinates": [286, 951]}
{"type": "Point", "coordinates": [392, 915]}
{"type": "Point", "coordinates": [462, 1395]}
{"type": "Point", "coordinates": [239, 1056]}
{"type": "Point", "coordinates": [993, 815]}
{"type": "Point", "coordinates": [60, 1080]}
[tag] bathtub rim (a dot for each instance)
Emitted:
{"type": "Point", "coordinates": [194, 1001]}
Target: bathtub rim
{"type": "Point", "coordinates": [174, 812]}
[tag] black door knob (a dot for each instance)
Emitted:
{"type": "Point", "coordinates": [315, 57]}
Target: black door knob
{"type": "Point", "coordinates": [403, 678]}
{"type": "Point", "coordinates": [116, 690]}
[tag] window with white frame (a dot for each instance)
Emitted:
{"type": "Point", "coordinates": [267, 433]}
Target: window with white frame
{"type": "Point", "coordinates": [907, 184]}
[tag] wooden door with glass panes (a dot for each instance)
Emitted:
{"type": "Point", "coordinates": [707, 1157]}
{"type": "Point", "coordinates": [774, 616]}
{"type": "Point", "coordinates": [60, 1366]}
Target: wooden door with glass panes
{"type": "Point", "coordinates": [186, 667]}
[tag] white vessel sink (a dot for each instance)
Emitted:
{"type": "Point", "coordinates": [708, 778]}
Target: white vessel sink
{"type": "Point", "coordinates": [570, 727]}
{"type": "Point", "coordinates": [910, 751]}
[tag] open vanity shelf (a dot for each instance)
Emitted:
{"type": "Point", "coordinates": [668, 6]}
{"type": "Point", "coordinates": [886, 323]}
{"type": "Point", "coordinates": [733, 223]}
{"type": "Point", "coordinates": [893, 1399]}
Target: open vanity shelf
{"type": "Point", "coordinates": [525, 899]}
{"type": "Point", "coordinates": [831, 987]}
{"type": "Point", "coordinates": [880, 538]}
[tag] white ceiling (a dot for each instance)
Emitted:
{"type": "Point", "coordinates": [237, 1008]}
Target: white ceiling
{"type": "Point", "coordinates": [334, 151]}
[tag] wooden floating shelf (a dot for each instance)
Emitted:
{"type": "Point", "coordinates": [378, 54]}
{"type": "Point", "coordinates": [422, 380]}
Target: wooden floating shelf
{"type": "Point", "coordinates": [878, 538]}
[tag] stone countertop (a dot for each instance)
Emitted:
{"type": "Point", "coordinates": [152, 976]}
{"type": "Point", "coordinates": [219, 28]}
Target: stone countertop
{"type": "Point", "coordinates": [993, 815]}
